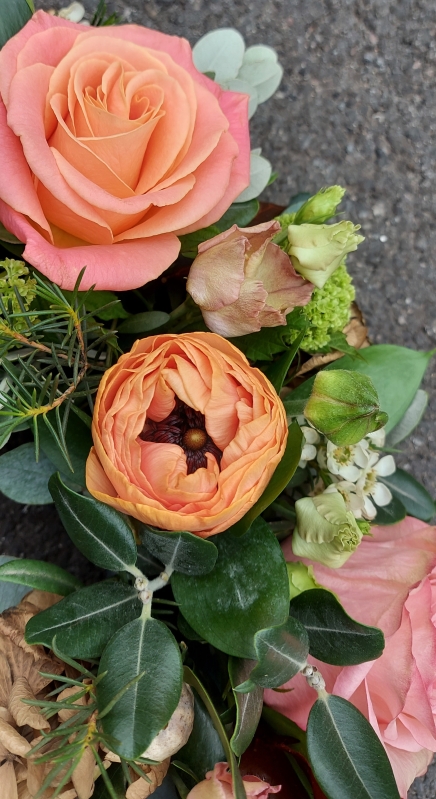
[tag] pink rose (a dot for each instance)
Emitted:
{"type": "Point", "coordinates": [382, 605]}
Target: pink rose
{"type": "Point", "coordinates": [389, 582]}
{"type": "Point", "coordinates": [242, 282]}
{"type": "Point", "coordinates": [218, 785]}
{"type": "Point", "coordinates": [113, 144]}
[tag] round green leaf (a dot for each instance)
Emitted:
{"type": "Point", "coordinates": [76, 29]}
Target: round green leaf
{"type": "Point", "coordinates": [247, 591]}
{"type": "Point", "coordinates": [147, 648]}
{"type": "Point", "coordinates": [416, 500]}
{"type": "Point", "coordinates": [345, 753]}
{"type": "Point", "coordinates": [101, 533]}
{"type": "Point", "coordinates": [84, 621]}
{"type": "Point", "coordinates": [334, 636]}
{"type": "Point", "coordinates": [23, 479]}
{"type": "Point", "coordinates": [41, 575]}
{"type": "Point", "coordinates": [183, 552]}
{"type": "Point", "coordinates": [220, 52]}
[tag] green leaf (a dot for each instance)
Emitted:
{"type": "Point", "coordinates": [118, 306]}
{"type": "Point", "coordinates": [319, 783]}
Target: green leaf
{"type": "Point", "coordinates": [410, 420]}
{"type": "Point", "coordinates": [338, 341]}
{"type": "Point", "coordinates": [142, 647]}
{"type": "Point", "coordinates": [191, 679]}
{"type": "Point", "coordinates": [295, 402]}
{"type": "Point", "coordinates": [231, 603]}
{"type": "Point", "coordinates": [10, 593]}
{"type": "Point", "coordinates": [204, 747]}
{"type": "Point", "coordinates": [96, 302]}
{"type": "Point", "coordinates": [39, 574]}
{"type": "Point", "coordinates": [23, 479]}
{"type": "Point", "coordinates": [269, 341]}
{"type": "Point", "coordinates": [4, 233]}
{"type": "Point", "coordinates": [279, 480]}
{"type": "Point", "coordinates": [143, 322]}
{"type": "Point", "coordinates": [284, 726]}
{"type": "Point", "coordinates": [13, 17]}
{"type": "Point", "coordinates": [184, 552]}
{"type": "Point", "coordinates": [281, 652]}
{"type": "Point", "coordinates": [277, 371]}
{"type": "Point", "coordinates": [78, 441]}
{"type": "Point", "coordinates": [190, 241]}
{"type": "Point", "coordinates": [334, 636]}
{"type": "Point", "coordinates": [390, 514]}
{"type": "Point", "coordinates": [116, 776]}
{"type": "Point", "coordinates": [84, 621]}
{"type": "Point", "coordinates": [387, 365]}
{"type": "Point", "coordinates": [101, 533]}
{"type": "Point", "coordinates": [248, 706]}
{"type": "Point", "coordinates": [415, 498]}
{"type": "Point", "coordinates": [346, 755]}
{"type": "Point", "coordinates": [240, 214]}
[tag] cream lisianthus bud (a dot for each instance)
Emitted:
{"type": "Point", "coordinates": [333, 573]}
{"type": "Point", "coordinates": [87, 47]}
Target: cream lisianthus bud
{"type": "Point", "coordinates": [326, 532]}
{"type": "Point", "coordinates": [243, 282]}
{"type": "Point", "coordinates": [177, 731]}
{"type": "Point", "coordinates": [316, 251]}
{"type": "Point", "coordinates": [321, 207]}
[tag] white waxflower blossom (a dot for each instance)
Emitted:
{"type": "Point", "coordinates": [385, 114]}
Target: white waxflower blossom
{"type": "Point", "coordinates": [353, 496]}
{"type": "Point", "coordinates": [377, 438]}
{"type": "Point", "coordinates": [372, 488]}
{"type": "Point", "coordinates": [309, 451]}
{"type": "Point", "coordinates": [347, 462]}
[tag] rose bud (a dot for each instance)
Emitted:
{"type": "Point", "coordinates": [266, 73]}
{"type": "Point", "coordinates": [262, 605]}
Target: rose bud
{"type": "Point", "coordinates": [344, 406]}
{"type": "Point", "coordinates": [186, 434]}
{"type": "Point", "coordinates": [325, 532]}
{"type": "Point", "coordinates": [243, 282]}
{"type": "Point", "coordinates": [218, 785]}
{"type": "Point", "coordinates": [316, 251]}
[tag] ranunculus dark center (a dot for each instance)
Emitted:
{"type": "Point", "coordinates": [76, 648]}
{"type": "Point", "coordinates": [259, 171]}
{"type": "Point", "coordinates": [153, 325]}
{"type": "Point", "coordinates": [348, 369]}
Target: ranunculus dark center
{"type": "Point", "coordinates": [194, 439]}
{"type": "Point", "coordinates": [187, 428]}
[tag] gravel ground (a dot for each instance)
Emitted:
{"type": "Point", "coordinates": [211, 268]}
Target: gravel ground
{"type": "Point", "coordinates": [356, 107]}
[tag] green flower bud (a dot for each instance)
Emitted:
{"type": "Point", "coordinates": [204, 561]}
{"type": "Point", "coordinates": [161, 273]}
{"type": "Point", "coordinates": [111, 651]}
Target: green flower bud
{"type": "Point", "coordinates": [301, 578]}
{"type": "Point", "coordinates": [321, 207]}
{"type": "Point", "coordinates": [316, 251]}
{"type": "Point", "coordinates": [326, 532]}
{"type": "Point", "coordinates": [344, 406]}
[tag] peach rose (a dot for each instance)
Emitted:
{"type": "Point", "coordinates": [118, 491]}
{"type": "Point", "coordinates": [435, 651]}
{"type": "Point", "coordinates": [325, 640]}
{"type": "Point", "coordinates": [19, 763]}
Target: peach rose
{"type": "Point", "coordinates": [186, 434]}
{"type": "Point", "coordinates": [243, 282]}
{"type": "Point", "coordinates": [113, 144]}
{"type": "Point", "coordinates": [218, 785]}
{"type": "Point", "coordinates": [389, 582]}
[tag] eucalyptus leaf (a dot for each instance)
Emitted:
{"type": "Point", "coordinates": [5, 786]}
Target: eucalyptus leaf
{"type": "Point", "coordinates": [410, 420]}
{"type": "Point", "coordinates": [334, 637]}
{"type": "Point", "coordinates": [345, 753]}
{"type": "Point", "coordinates": [415, 498]}
{"type": "Point", "coordinates": [39, 574]}
{"type": "Point", "coordinates": [142, 647]}
{"type": "Point", "coordinates": [11, 594]}
{"type": "Point", "coordinates": [390, 514]}
{"type": "Point", "coordinates": [101, 533]}
{"type": "Point", "coordinates": [85, 620]}
{"type": "Point", "coordinates": [24, 479]}
{"type": "Point", "coordinates": [13, 16]}
{"type": "Point", "coordinates": [220, 51]}
{"type": "Point", "coordinates": [183, 552]}
{"type": "Point", "coordinates": [230, 604]}
{"type": "Point", "coordinates": [78, 441]}
{"type": "Point", "coordinates": [143, 322]}
{"type": "Point", "coordinates": [260, 173]}
{"type": "Point", "coordinates": [387, 365]}
{"type": "Point", "coordinates": [243, 87]}
{"type": "Point", "coordinates": [281, 653]}
{"type": "Point", "coordinates": [280, 479]}
{"type": "Point", "coordinates": [261, 69]}
{"type": "Point", "coordinates": [248, 706]}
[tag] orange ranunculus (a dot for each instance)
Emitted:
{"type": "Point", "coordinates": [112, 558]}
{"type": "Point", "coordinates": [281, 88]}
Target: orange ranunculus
{"type": "Point", "coordinates": [186, 434]}
{"type": "Point", "coordinates": [113, 144]}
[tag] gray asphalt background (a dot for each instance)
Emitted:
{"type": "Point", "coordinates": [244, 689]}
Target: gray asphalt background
{"type": "Point", "coordinates": [356, 107]}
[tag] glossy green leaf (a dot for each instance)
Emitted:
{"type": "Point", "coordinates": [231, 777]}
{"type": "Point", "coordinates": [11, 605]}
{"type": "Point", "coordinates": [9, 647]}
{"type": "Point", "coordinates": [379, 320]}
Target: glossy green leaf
{"type": "Point", "coordinates": [13, 16]}
{"type": "Point", "coordinates": [280, 479]}
{"type": "Point", "coordinates": [143, 647]}
{"type": "Point", "coordinates": [296, 401]}
{"type": "Point", "coordinates": [281, 653]}
{"type": "Point", "coordinates": [23, 479]}
{"type": "Point", "coordinates": [84, 621]}
{"type": "Point", "coordinates": [143, 322]}
{"type": "Point", "coordinates": [335, 637]}
{"type": "Point", "coordinates": [192, 680]}
{"type": "Point", "coordinates": [269, 341]}
{"type": "Point", "coordinates": [183, 552]}
{"type": "Point", "coordinates": [248, 706]}
{"type": "Point", "coordinates": [191, 241]}
{"type": "Point", "coordinates": [410, 420]}
{"type": "Point", "coordinates": [284, 726]}
{"type": "Point", "coordinates": [247, 591]}
{"type": "Point", "coordinates": [78, 441]}
{"type": "Point", "coordinates": [41, 575]}
{"type": "Point", "coordinates": [277, 371]}
{"type": "Point", "coordinates": [204, 747]}
{"type": "Point", "coordinates": [101, 533]}
{"type": "Point", "coordinates": [102, 304]}
{"type": "Point", "coordinates": [390, 514]}
{"type": "Point", "coordinates": [415, 498]}
{"type": "Point", "coordinates": [240, 214]}
{"type": "Point", "coordinates": [116, 776]}
{"type": "Point", "coordinates": [387, 365]}
{"type": "Point", "coordinates": [345, 753]}
{"type": "Point", "coordinates": [10, 593]}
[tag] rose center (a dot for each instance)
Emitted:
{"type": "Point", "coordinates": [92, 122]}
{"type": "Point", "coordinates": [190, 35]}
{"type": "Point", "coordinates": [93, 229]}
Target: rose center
{"type": "Point", "coordinates": [194, 438]}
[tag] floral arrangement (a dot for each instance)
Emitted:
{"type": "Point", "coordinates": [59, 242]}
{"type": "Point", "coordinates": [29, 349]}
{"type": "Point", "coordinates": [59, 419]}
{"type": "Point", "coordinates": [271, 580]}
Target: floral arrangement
{"type": "Point", "coordinates": [185, 374]}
